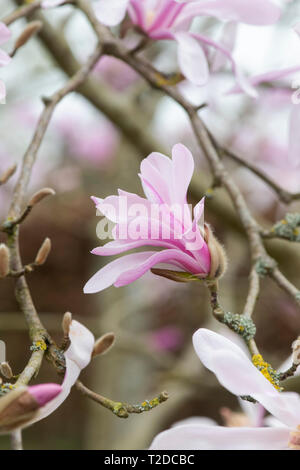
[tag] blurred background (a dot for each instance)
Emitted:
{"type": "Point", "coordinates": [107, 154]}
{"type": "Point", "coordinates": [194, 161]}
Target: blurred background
{"type": "Point", "coordinates": [86, 153]}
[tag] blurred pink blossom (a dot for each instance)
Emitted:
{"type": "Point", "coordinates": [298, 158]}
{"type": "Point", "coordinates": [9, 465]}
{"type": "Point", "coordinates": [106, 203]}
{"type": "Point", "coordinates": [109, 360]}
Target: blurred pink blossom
{"type": "Point", "coordinates": [115, 72]}
{"type": "Point", "coordinates": [167, 338]}
{"type": "Point", "coordinates": [96, 141]}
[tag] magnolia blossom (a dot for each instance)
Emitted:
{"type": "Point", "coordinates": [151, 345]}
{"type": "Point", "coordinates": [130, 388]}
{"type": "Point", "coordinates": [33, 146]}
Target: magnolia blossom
{"type": "Point", "coordinates": [4, 57]}
{"type": "Point", "coordinates": [236, 372]}
{"type": "Point", "coordinates": [162, 220]}
{"type": "Point", "coordinates": [171, 20]}
{"type": "Point", "coordinates": [27, 405]}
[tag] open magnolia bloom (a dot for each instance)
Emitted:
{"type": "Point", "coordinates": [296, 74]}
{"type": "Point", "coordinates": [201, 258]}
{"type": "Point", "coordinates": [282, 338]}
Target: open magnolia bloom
{"type": "Point", "coordinates": [163, 220]}
{"type": "Point", "coordinates": [171, 20]}
{"type": "Point", "coordinates": [236, 372]}
{"type": "Point", "coordinates": [24, 406]}
{"type": "Point", "coordinates": [4, 57]}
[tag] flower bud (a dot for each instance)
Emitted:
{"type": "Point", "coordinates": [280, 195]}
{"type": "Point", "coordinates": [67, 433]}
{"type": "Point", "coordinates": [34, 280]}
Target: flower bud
{"type": "Point", "coordinates": [4, 260]}
{"type": "Point", "coordinates": [296, 351]}
{"type": "Point", "coordinates": [17, 407]}
{"type": "Point", "coordinates": [103, 344]}
{"type": "Point", "coordinates": [66, 323]}
{"type": "Point", "coordinates": [218, 258]}
{"type": "Point", "coordinates": [40, 195]}
{"type": "Point", "coordinates": [43, 252]}
{"type": "Point", "coordinates": [7, 174]}
{"type": "Point", "coordinates": [31, 29]}
{"type": "Point", "coordinates": [5, 370]}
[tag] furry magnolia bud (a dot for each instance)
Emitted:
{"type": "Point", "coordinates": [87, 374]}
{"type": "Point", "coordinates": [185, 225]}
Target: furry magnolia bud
{"type": "Point", "coordinates": [31, 29]}
{"type": "Point", "coordinates": [16, 409]}
{"type": "Point", "coordinates": [7, 174]}
{"type": "Point", "coordinates": [43, 252]}
{"type": "Point", "coordinates": [5, 370]}
{"type": "Point", "coordinates": [103, 344]}
{"type": "Point", "coordinates": [296, 351]}
{"type": "Point", "coordinates": [218, 258]}
{"type": "Point", "coordinates": [40, 195]}
{"type": "Point", "coordinates": [4, 260]}
{"type": "Point", "coordinates": [66, 322]}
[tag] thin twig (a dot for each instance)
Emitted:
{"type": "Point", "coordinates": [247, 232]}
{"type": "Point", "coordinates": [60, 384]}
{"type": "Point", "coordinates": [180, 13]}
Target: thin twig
{"type": "Point", "coordinates": [252, 293]}
{"type": "Point", "coordinates": [285, 284]}
{"type": "Point", "coordinates": [121, 409]}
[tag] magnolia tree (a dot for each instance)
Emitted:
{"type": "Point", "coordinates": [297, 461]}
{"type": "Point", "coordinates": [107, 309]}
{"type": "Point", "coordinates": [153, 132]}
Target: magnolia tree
{"type": "Point", "coordinates": [170, 79]}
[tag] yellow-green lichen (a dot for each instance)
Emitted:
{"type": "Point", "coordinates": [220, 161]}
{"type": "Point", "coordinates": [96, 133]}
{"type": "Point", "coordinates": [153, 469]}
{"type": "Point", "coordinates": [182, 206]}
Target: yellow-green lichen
{"type": "Point", "coordinates": [267, 371]}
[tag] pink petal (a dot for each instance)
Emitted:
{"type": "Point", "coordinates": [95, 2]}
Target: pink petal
{"type": "Point", "coordinates": [77, 358]}
{"type": "Point", "coordinates": [244, 83]}
{"type": "Point", "coordinates": [267, 77]}
{"type": "Point", "coordinates": [237, 373]}
{"type": "Point", "coordinates": [165, 15]}
{"type": "Point", "coordinates": [111, 12]}
{"type": "Point", "coordinates": [193, 235]}
{"type": "Point", "coordinates": [5, 33]}
{"type": "Point", "coordinates": [129, 268]}
{"type": "Point", "coordinates": [191, 58]}
{"type": "Point", "coordinates": [173, 257]}
{"type": "Point", "coordinates": [120, 246]}
{"type": "Point", "coordinates": [227, 40]}
{"type": "Point", "coordinates": [108, 275]}
{"type": "Point", "coordinates": [43, 393]}
{"type": "Point", "coordinates": [118, 208]}
{"type": "Point", "coordinates": [183, 169]}
{"type": "Point", "coordinates": [165, 180]}
{"type": "Point", "coordinates": [155, 175]}
{"type": "Point", "coordinates": [137, 13]}
{"type": "Point", "coordinates": [5, 59]}
{"type": "Point", "coordinates": [256, 12]}
{"type": "Point", "coordinates": [193, 437]}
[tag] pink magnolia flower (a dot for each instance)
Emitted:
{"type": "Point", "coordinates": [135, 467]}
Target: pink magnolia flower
{"type": "Point", "coordinates": [26, 405]}
{"type": "Point", "coordinates": [4, 57]}
{"type": "Point", "coordinates": [171, 20]}
{"type": "Point", "coordinates": [236, 372]}
{"type": "Point", "coordinates": [163, 220]}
